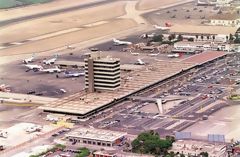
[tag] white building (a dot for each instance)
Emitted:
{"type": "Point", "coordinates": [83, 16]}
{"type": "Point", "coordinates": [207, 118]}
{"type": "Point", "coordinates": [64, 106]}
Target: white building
{"type": "Point", "coordinates": [194, 148]}
{"type": "Point", "coordinates": [102, 73]}
{"type": "Point", "coordinates": [226, 19]}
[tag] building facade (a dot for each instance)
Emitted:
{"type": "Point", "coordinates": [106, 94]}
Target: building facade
{"type": "Point", "coordinates": [228, 19]}
{"type": "Point", "coordinates": [102, 73]}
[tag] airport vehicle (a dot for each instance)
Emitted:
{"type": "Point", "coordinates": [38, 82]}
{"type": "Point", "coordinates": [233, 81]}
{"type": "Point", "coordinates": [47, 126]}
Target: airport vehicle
{"type": "Point", "coordinates": [121, 42]}
{"type": "Point", "coordinates": [33, 67]}
{"type": "Point", "coordinates": [140, 62]}
{"type": "Point", "coordinates": [29, 60]}
{"type": "Point", "coordinates": [3, 134]}
{"type": "Point", "coordinates": [145, 35]}
{"type": "Point", "coordinates": [134, 53]}
{"type": "Point", "coordinates": [50, 61]}
{"type": "Point", "coordinates": [153, 54]}
{"type": "Point", "coordinates": [176, 55]}
{"type": "Point", "coordinates": [51, 70]}
{"type": "Point", "coordinates": [161, 28]}
{"type": "Point", "coordinates": [51, 118]}
{"type": "Point", "coordinates": [33, 128]}
{"type": "Point", "coordinates": [4, 88]}
{"type": "Point", "coordinates": [73, 74]}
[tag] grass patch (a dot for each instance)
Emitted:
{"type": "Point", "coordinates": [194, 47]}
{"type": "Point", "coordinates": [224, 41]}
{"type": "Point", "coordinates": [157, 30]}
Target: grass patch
{"type": "Point", "coordinates": [4, 4]}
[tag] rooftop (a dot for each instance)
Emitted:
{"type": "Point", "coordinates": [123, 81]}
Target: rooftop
{"type": "Point", "coordinates": [97, 134]}
{"type": "Point", "coordinates": [191, 29]}
{"type": "Point", "coordinates": [204, 57]}
{"type": "Point", "coordinates": [226, 16]}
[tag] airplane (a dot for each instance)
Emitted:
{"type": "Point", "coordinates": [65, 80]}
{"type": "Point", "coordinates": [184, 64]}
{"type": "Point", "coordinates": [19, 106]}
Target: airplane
{"type": "Point", "coordinates": [50, 61]}
{"type": "Point", "coordinates": [119, 42]}
{"type": "Point", "coordinates": [134, 53]}
{"type": "Point", "coordinates": [74, 74]}
{"type": "Point", "coordinates": [147, 35]}
{"type": "Point", "coordinates": [33, 128]}
{"type": "Point", "coordinates": [176, 55]}
{"type": "Point", "coordinates": [33, 67]}
{"type": "Point", "coordinates": [3, 134]}
{"type": "Point", "coordinates": [28, 60]}
{"type": "Point", "coordinates": [140, 62]}
{"type": "Point", "coordinates": [153, 54]}
{"type": "Point", "coordinates": [51, 70]}
{"type": "Point", "coordinates": [161, 28]}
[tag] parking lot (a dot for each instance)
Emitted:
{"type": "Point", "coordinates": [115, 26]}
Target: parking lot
{"type": "Point", "coordinates": [201, 94]}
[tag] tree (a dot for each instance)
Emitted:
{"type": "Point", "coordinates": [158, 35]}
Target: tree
{"type": "Point", "coordinates": [231, 38]}
{"type": "Point", "coordinates": [150, 143]}
{"type": "Point", "coordinates": [202, 37]}
{"type": "Point", "coordinates": [204, 154]}
{"type": "Point", "coordinates": [213, 37]}
{"type": "Point", "coordinates": [157, 38]}
{"type": "Point", "coordinates": [190, 39]}
{"type": "Point", "coordinates": [196, 37]}
{"type": "Point", "coordinates": [208, 37]}
{"type": "Point", "coordinates": [83, 152]}
{"type": "Point", "coordinates": [180, 37]}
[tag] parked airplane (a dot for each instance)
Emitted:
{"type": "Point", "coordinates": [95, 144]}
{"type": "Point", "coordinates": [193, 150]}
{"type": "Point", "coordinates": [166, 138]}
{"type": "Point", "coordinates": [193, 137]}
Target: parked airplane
{"type": "Point", "coordinates": [3, 134]}
{"type": "Point", "coordinates": [74, 74]}
{"type": "Point", "coordinates": [120, 42]}
{"type": "Point", "coordinates": [50, 61]}
{"type": "Point", "coordinates": [175, 55]}
{"type": "Point", "coordinates": [52, 118]}
{"type": "Point", "coordinates": [33, 67]}
{"type": "Point", "coordinates": [147, 35]}
{"type": "Point", "coordinates": [140, 62]}
{"type": "Point", "coordinates": [161, 28]}
{"type": "Point", "coordinates": [28, 60]}
{"type": "Point", "coordinates": [51, 70]}
{"type": "Point", "coordinates": [153, 54]}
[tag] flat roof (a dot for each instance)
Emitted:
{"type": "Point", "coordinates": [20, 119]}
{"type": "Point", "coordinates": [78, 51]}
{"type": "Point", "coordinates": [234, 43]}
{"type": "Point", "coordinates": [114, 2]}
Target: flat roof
{"type": "Point", "coordinates": [204, 57]}
{"type": "Point", "coordinates": [70, 63]}
{"type": "Point", "coordinates": [96, 134]}
{"type": "Point", "coordinates": [226, 16]}
{"type": "Point", "coordinates": [83, 103]}
{"type": "Point", "coordinates": [191, 29]}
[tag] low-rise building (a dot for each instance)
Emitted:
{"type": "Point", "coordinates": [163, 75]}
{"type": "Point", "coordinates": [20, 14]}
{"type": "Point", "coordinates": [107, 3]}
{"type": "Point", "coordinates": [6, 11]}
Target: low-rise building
{"type": "Point", "coordinates": [104, 154]}
{"type": "Point", "coordinates": [226, 19]}
{"type": "Point", "coordinates": [98, 137]}
{"type": "Point", "coordinates": [194, 148]}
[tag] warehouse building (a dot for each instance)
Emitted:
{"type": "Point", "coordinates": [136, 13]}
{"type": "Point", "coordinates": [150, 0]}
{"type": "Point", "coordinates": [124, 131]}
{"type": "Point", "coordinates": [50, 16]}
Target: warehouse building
{"type": "Point", "coordinates": [99, 137]}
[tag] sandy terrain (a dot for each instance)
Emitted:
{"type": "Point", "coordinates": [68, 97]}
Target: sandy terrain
{"type": "Point", "coordinates": [59, 22]}
{"type": "Point", "coordinates": [153, 4]}
{"type": "Point", "coordinates": [226, 121]}
{"type": "Point", "coordinates": [70, 38]}
{"type": "Point", "coordinates": [6, 14]}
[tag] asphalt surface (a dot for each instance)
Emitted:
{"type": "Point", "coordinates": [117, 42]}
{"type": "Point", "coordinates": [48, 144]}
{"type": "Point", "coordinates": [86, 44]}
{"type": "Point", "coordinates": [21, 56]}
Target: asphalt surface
{"type": "Point", "coordinates": [49, 13]}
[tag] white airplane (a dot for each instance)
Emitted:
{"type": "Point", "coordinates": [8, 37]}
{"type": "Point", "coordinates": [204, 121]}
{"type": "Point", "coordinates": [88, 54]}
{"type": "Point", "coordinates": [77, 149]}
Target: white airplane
{"type": "Point", "coordinates": [51, 70]}
{"type": "Point", "coordinates": [134, 53]}
{"type": "Point", "coordinates": [153, 54]}
{"type": "Point", "coordinates": [120, 42]}
{"type": "Point", "coordinates": [176, 55]}
{"type": "Point", "coordinates": [3, 134]}
{"type": "Point", "coordinates": [161, 28]}
{"type": "Point", "coordinates": [33, 67]}
{"type": "Point", "coordinates": [74, 74]}
{"type": "Point", "coordinates": [140, 62]}
{"type": "Point", "coordinates": [145, 35]}
{"type": "Point", "coordinates": [50, 61]}
{"type": "Point", "coordinates": [34, 128]}
{"type": "Point", "coordinates": [29, 60]}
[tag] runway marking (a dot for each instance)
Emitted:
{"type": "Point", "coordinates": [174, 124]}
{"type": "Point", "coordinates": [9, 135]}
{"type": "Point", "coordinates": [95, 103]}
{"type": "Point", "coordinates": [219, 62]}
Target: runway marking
{"type": "Point", "coordinates": [96, 23]}
{"type": "Point", "coordinates": [49, 35]}
{"type": "Point", "coordinates": [16, 43]}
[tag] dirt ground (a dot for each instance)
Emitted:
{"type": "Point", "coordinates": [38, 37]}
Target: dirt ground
{"type": "Point", "coordinates": [59, 22]}
{"type": "Point", "coordinates": [6, 14]}
{"type": "Point", "coordinates": [70, 38]}
{"type": "Point", "coordinates": [153, 4]}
